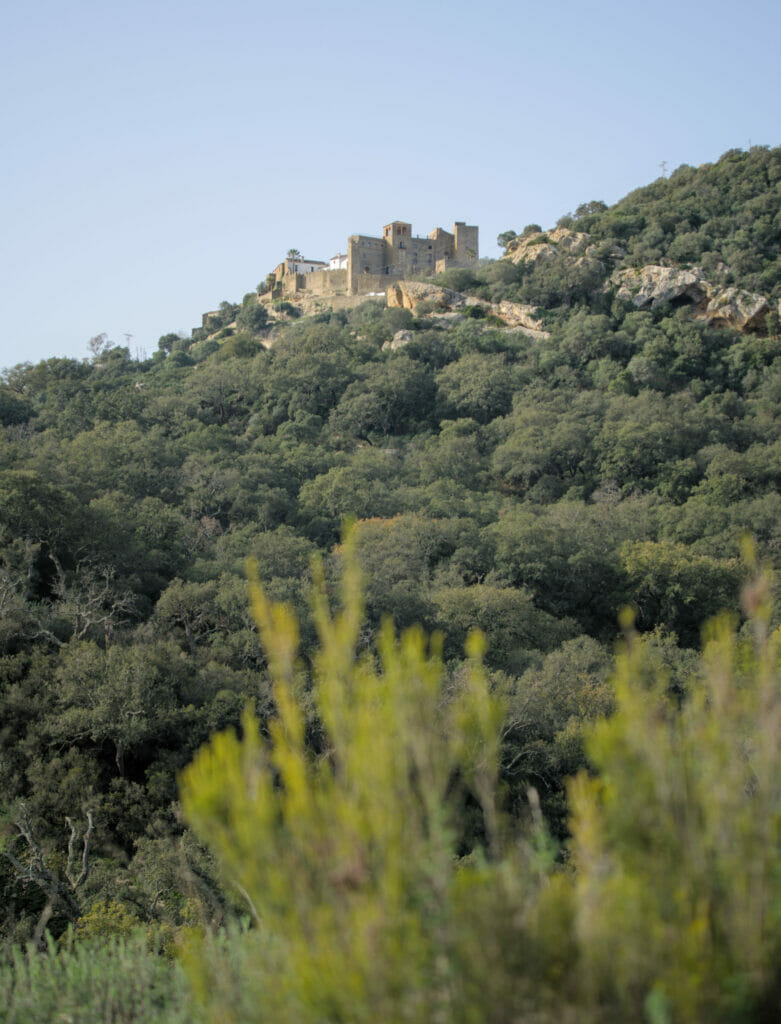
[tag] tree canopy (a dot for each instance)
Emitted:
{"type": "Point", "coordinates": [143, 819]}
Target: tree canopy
{"type": "Point", "coordinates": [529, 486]}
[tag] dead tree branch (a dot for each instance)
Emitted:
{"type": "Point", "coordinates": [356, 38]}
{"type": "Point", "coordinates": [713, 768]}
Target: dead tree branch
{"type": "Point", "coordinates": [36, 872]}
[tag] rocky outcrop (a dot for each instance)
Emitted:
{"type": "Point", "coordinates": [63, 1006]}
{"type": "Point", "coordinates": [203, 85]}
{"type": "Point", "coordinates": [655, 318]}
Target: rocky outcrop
{"type": "Point", "coordinates": [410, 294]}
{"type": "Point", "coordinates": [515, 314]}
{"type": "Point", "coordinates": [399, 340]}
{"type": "Point", "coordinates": [544, 245]}
{"type": "Point", "coordinates": [732, 307]}
{"type": "Point", "coordinates": [444, 306]}
{"type": "Point", "coordinates": [650, 286]}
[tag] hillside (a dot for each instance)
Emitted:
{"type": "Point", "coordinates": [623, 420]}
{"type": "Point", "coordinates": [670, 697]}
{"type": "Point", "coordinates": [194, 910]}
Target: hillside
{"type": "Point", "coordinates": [527, 477]}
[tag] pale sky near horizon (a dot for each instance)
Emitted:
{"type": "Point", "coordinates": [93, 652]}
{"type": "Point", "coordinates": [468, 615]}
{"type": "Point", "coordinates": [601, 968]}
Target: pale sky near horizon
{"type": "Point", "coordinates": [162, 156]}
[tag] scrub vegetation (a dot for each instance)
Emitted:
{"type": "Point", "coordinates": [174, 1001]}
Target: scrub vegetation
{"type": "Point", "coordinates": [471, 758]}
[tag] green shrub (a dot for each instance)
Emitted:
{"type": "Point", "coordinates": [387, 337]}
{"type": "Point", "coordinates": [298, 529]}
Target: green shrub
{"type": "Point", "coordinates": [113, 981]}
{"type": "Point", "coordinates": [252, 316]}
{"type": "Point", "coordinates": [677, 840]}
{"type": "Point", "coordinates": [347, 859]}
{"type": "Point", "coordinates": [383, 886]}
{"type": "Point", "coordinates": [105, 919]}
{"type": "Point", "coordinates": [282, 306]}
{"type": "Point", "coordinates": [474, 312]}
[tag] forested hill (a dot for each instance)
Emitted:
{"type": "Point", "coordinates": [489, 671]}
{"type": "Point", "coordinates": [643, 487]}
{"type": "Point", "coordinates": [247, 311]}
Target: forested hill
{"type": "Point", "coordinates": [531, 485]}
{"type": "Point", "coordinates": [723, 217]}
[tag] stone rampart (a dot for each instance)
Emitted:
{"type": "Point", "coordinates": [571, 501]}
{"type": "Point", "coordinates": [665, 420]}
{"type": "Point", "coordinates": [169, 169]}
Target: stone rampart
{"type": "Point", "coordinates": [375, 262]}
{"type": "Point", "coordinates": [367, 284]}
{"type": "Point", "coordinates": [326, 282]}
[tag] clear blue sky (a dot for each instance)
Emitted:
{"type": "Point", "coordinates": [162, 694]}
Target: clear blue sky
{"type": "Point", "coordinates": [160, 156]}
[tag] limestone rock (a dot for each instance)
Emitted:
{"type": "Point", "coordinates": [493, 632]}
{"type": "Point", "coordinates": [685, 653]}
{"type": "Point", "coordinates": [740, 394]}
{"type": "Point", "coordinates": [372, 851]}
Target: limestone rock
{"type": "Point", "coordinates": [399, 340]}
{"type": "Point", "coordinates": [651, 285]}
{"type": "Point", "coordinates": [544, 245]}
{"type": "Point", "coordinates": [516, 315]}
{"type": "Point", "coordinates": [449, 305]}
{"type": "Point", "coordinates": [732, 307]}
{"type": "Point", "coordinates": [410, 294]}
{"type": "Point", "coordinates": [723, 307]}
{"type": "Point", "coordinates": [519, 316]}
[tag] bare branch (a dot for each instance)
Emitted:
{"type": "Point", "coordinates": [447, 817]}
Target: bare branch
{"type": "Point", "coordinates": [85, 853]}
{"type": "Point", "coordinates": [74, 838]}
{"type": "Point", "coordinates": [71, 848]}
{"type": "Point", "coordinates": [43, 920]}
{"type": "Point", "coordinates": [36, 872]}
{"type": "Point", "coordinates": [91, 599]}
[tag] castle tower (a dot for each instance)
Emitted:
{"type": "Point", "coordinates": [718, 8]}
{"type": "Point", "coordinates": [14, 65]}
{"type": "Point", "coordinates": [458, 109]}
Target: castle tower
{"type": "Point", "coordinates": [467, 250]}
{"type": "Point", "coordinates": [397, 233]}
{"type": "Point", "coordinates": [372, 261]}
{"type": "Point", "coordinates": [398, 246]}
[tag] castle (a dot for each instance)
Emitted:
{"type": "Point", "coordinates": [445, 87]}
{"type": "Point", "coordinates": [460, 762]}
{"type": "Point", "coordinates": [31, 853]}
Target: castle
{"type": "Point", "coordinates": [371, 264]}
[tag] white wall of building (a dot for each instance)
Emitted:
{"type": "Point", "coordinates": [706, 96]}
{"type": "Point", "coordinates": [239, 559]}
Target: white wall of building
{"type": "Point", "coordinates": [305, 266]}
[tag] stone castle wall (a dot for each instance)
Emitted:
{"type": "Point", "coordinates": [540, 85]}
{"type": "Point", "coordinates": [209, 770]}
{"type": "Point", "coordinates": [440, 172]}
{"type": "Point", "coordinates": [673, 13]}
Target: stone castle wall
{"type": "Point", "coordinates": [375, 262]}
{"type": "Point", "coordinates": [373, 284]}
{"type": "Point", "coordinates": [365, 255]}
{"type": "Point", "coordinates": [318, 282]}
{"type": "Point", "coordinates": [467, 243]}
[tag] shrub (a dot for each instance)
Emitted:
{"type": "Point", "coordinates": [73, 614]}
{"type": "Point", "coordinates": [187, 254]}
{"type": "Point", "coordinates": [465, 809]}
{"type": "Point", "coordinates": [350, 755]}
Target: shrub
{"type": "Point", "coordinates": [282, 306]}
{"type": "Point", "coordinates": [347, 859]}
{"type": "Point", "coordinates": [112, 981]}
{"type": "Point", "coordinates": [677, 841]}
{"type": "Point", "coordinates": [383, 884]}
{"type": "Point", "coordinates": [252, 316]}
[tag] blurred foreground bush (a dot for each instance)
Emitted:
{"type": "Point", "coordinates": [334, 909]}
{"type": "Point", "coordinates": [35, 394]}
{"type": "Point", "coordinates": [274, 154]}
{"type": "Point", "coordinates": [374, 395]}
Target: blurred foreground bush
{"type": "Point", "coordinates": [113, 981]}
{"type": "Point", "coordinates": [677, 840]}
{"type": "Point", "coordinates": [382, 883]}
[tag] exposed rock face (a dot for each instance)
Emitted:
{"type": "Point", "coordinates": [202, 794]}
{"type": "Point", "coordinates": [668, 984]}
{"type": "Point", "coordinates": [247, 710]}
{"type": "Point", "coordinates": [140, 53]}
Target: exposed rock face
{"type": "Point", "coordinates": [449, 306]}
{"type": "Point", "coordinates": [732, 307]}
{"type": "Point", "coordinates": [399, 340]}
{"type": "Point", "coordinates": [544, 245]}
{"type": "Point", "coordinates": [723, 307]}
{"type": "Point", "coordinates": [409, 295]}
{"type": "Point", "coordinates": [515, 314]}
{"type": "Point", "coordinates": [650, 286]}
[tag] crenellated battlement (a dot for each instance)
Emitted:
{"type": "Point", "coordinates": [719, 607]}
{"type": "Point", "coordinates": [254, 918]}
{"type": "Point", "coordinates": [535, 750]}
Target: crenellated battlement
{"type": "Point", "coordinates": [371, 263]}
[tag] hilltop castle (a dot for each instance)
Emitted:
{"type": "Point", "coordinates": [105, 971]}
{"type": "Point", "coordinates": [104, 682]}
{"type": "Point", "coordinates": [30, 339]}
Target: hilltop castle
{"type": "Point", "coordinates": [371, 264]}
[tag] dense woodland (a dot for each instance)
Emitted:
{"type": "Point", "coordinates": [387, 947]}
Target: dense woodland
{"type": "Point", "coordinates": [530, 489]}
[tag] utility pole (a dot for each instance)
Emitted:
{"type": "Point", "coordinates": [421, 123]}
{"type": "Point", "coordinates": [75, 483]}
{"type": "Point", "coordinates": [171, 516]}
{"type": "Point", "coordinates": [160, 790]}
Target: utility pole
{"type": "Point", "coordinates": [663, 166]}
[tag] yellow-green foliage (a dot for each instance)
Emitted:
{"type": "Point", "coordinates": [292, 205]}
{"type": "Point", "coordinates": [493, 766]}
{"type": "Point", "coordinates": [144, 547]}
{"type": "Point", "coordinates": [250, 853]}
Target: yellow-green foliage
{"type": "Point", "coordinates": [677, 840]}
{"type": "Point", "coordinates": [105, 920]}
{"type": "Point", "coordinates": [347, 858]}
{"type": "Point", "coordinates": [668, 908]}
